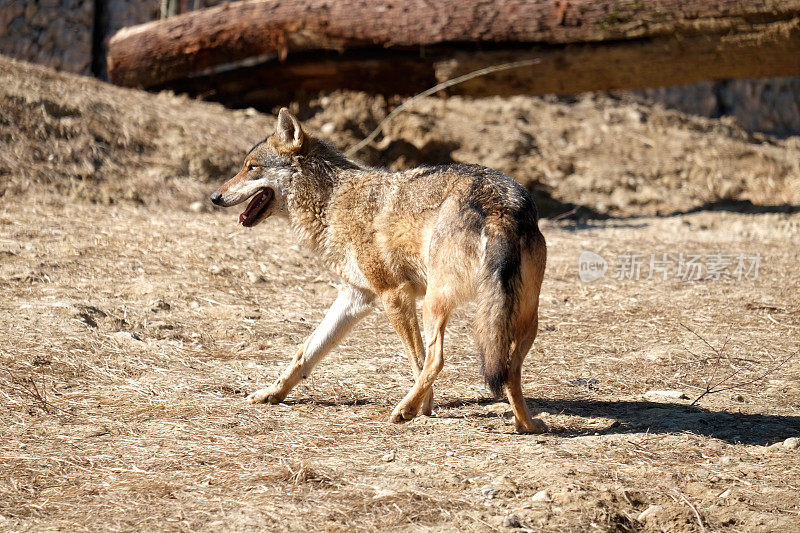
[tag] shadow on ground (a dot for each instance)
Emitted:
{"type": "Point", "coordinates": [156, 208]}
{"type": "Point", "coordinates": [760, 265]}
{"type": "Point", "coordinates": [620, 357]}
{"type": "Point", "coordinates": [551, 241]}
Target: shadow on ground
{"type": "Point", "coordinates": [628, 416]}
{"type": "Point", "coordinates": [584, 217]}
{"type": "Point", "coordinates": [660, 418]}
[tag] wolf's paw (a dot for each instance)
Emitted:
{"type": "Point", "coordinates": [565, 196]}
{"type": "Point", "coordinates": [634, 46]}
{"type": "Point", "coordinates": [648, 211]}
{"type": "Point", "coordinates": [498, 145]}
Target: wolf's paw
{"type": "Point", "coordinates": [267, 395]}
{"type": "Point", "coordinates": [535, 426]}
{"type": "Point", "coordinates": [402, 414]}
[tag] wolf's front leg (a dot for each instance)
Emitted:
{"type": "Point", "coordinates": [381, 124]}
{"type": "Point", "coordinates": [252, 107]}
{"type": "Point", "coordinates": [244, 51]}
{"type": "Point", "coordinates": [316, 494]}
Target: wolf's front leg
{"type": "Point", "coordinates": [350, 306]}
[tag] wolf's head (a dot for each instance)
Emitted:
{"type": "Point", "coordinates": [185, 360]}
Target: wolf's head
{"type": "Point", "coordinates": [266, 174]}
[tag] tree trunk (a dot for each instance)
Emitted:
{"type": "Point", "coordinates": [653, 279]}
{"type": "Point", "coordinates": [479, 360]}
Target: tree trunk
{"type": "Point", "coordinates": [584, 44]}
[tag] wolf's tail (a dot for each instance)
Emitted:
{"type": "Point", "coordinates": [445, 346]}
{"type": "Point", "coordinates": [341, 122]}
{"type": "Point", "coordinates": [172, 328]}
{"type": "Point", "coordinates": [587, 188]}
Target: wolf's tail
{"type": "Point", "coordinates": [497, 289]}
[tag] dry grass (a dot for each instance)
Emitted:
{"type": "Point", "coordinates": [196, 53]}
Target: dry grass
{"type": "Point", "coordinates": [143, 329]}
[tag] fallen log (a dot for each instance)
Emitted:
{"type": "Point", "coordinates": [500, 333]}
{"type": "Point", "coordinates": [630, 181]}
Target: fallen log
{"type": "Point", "coordinates": [764, 50]}
{"type": "Point", "coordinates": [584, 44]}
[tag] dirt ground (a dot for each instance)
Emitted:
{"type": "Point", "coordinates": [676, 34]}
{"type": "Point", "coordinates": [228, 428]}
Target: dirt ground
{"type": "Point", "coordinates": [134, 322]}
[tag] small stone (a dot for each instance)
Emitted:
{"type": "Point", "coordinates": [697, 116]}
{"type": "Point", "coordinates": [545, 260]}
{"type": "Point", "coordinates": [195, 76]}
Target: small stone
{"type": "Point", "coordinates": [252, 277]}
{"type": "Point", "coordinates": [327, 128]}
{"type": "Point", "coordinates": [792, 443]}
{"type": "Point", "coordinates": [676, 394]}
{"type": "Point", "coordinates": [511, 521]}
{"type": "Point", "coordinates": [127, 336]}
{"type": "Point", "coordinates": [542, 496]}
{"type": "Point", "coordinates": [159, 305]}
{"type": "Point", "coordinates": [389, 457]}
{"type": "Point", "coordinates": [489, 490]}
{"type": "Point", "coordinates": [649, 512]}
{"type": "Point", "coordinates": [196, 207]}
{"type": "Point", "coordinates": [725, 493]}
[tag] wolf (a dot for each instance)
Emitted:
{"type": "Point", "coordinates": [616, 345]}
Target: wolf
{"type": "Point", "coordinates": [446, 234]}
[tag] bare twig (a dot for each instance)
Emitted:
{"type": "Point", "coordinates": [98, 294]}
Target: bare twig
{"type": "Point", "coordinates": [567, 213]}
{"type": "Point", "coordinates": [692, 507]}
{"type": "Point", "coordinates": [676, 495]}
{"type": "Point", "coordinates": [693, 332]}
{"type": "Point", "coordinates": [438, 87]}
{"type": "Point", "coordinates": [28, 387]}
{"type": "Point", "coordinates": [750, 382]}
{"type": "Point", "coordinates": [719, 356]}
{"type": "Point", "coordinates": [712, 387]}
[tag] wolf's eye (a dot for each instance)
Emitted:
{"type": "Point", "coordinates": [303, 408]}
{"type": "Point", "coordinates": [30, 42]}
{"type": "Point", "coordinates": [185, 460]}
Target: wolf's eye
{"type": "Point", "coordinates": [252, 167]}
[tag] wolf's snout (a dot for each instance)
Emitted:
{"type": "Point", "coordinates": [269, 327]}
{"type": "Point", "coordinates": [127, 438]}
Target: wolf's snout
{"type": "Point", "coordinates": [216, 198]}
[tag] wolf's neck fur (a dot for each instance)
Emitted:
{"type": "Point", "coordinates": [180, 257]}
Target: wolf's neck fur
{"type": "Point", "coordinates": [316, 177]}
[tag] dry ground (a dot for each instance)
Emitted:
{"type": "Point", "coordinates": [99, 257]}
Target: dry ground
{"type": "Point", "coordinates": [131, 329]}
{"type": "Point", "coordinates": [143, 329]}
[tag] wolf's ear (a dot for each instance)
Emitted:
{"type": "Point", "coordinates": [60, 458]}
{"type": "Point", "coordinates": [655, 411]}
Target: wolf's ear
{"type": "Point", "coordinates": [289, 132]}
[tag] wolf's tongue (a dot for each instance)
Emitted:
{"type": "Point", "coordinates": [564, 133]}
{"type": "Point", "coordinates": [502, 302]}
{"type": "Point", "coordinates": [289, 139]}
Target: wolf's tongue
{"type": "Point", "coordinates": [252, 206]}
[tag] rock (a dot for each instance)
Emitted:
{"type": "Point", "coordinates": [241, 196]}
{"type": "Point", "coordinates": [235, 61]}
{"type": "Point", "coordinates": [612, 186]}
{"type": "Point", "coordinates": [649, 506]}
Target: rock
{"type": "Point", "coordinates": [389, 457]}
{"type": "Point", "coordinates": [792, 443]}
{"type": "Point", "coordinates": [506, 485]}
{"type": "Point", "coordinates": [328, 128]}
{"type": "Point", "coordinates": [589, 383]}
{"type": "Point", "coordinates": [725, 493]}
{"type": "Point", "coordinates": [44, 31]}
{"type": "Point", "coordinates": [511, 521]}
{"type": "Point", "coordinates": [196, 207]}
{"type": "Point", "coordinates": [489, 491]}
{"type": "Point", "coordinates": [771, 105]}
{"type": "Point", "coordinates": [542, 496]}
{"type": "Point", "coordinates": [127, 336]}
{"type": "Point", "coordinates": [667, 394]}
{"type": "Point", "coordinates": [160, 305]}
{"type": "Point", "coordinates": [252, 277]}
{"type": "Point", "coordinates": [649, 512]}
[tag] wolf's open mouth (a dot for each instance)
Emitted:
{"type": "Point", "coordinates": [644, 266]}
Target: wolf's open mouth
{"type": "Point", "coordinates": [256, 207]}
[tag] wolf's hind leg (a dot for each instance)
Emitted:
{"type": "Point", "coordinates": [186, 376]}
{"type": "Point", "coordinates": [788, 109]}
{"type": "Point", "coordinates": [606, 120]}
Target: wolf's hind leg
{"type": "Point", "coordinates": [401, 310]}
{"type": "Point", "coordinates": [435, 313]}
{"type": "Point", "coordinates": [525, 332]}
{"type": "Point", "coordinates": [522, 416]}
{"type": "Point", "coordinates": [350, 306]}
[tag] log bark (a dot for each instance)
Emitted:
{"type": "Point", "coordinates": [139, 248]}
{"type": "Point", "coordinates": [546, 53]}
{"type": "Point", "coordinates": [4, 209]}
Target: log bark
{"type": "Point", "coordinates": [764, 50]}
{"type": "Point", "coordinates": [638, 40]}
